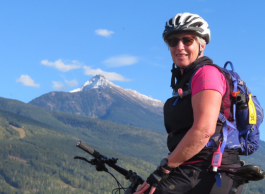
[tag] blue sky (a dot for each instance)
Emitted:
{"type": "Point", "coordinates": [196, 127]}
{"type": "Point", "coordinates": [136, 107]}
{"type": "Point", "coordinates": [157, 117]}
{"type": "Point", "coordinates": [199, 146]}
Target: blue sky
{"type": "Point", "coordinates": [59, 45]}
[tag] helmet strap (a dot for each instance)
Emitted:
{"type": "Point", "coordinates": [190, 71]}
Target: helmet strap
{"type": "Point", "coordinates": [173, 77]}
{"type": "Point", "coordinates": [200, 52]}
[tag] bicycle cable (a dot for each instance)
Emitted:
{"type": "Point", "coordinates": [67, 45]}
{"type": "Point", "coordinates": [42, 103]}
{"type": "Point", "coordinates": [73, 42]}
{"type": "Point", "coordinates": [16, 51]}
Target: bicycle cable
{"type": "Point", "coordinates": [120, 187]}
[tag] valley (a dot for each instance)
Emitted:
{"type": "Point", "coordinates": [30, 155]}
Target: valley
{"type": "Point", "coordinates": [38, 145]}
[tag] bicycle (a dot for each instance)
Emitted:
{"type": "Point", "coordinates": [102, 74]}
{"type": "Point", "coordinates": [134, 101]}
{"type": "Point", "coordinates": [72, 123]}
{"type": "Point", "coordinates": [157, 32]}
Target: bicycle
{"type": "Point", "coordinates": [240, 175]}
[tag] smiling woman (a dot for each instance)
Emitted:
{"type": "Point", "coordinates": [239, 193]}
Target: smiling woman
{"type": "Point", "coordinates": [191, 115]}
{"type": "Point", "coordinates": [185, 50]}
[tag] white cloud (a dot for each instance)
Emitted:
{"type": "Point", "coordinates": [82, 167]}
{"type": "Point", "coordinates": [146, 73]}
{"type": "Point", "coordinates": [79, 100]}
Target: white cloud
{"type": "Point", "coordinates": [27, 81]}
{"type": "Point", "coordinates": [122, 60]}
{"type": "Point", "coordinates": [103, 32]}
{"type": "Point", "coordinates": [61, 66]}
{"type": "Point", "coordinates": [112, 76]}
{"type": "Point", "coordinates": [58, 85]}
{"type": "Point", "coordinates": [71, 83]}
{"type": "Point", "coordinates": [61, 86]}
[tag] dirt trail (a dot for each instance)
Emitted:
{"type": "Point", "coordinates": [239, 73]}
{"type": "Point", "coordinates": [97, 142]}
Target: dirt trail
{"type": "Point", "coordinates": [17, 158]}
{"type": "Point", "coordinates": [66, 185]}
{"type": "Point", "coordinates": [21, 131]}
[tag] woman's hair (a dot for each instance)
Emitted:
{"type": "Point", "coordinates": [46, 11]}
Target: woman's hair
{"type": "Point", "coordinates": [201, 40]}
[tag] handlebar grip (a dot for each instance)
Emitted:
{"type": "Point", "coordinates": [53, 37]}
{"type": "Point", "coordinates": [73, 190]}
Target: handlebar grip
{"type": "Point", "coordinates": [88, 149]}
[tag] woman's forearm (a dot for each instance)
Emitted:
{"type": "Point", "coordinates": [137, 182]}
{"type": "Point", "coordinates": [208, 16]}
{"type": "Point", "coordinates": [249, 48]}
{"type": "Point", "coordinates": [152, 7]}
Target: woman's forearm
{"type": "Point", "coordinates": [192, 143]}
{"type": "Point", "coordinates": [206, 107]}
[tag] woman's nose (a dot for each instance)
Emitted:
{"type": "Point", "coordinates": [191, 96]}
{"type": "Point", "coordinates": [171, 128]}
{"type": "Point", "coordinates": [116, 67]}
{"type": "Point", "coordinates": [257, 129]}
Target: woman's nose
{"type": "Point", "coordinates": [180, 45]}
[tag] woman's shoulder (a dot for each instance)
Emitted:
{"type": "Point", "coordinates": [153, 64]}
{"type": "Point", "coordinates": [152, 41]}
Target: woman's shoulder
{"type": "Point", "coordinates": [211, 68]}
{"type": "Point", "coordinates": [208, 77]}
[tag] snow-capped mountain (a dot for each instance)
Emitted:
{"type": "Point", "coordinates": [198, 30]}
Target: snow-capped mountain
{"type": "Point", "coordinates": [100, 98]}
{"type": "Point", "coordinates": [99, 81]}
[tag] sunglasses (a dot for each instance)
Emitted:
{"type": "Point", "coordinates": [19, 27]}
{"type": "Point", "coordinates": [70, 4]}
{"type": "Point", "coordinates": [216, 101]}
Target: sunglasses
{"type": "Point", "coordinates": [187, 41]}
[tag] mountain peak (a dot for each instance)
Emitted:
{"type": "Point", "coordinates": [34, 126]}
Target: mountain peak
{"type": "Point", "coordinates": [98, 81]}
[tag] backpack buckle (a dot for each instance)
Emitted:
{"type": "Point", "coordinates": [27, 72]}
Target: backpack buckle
{"type": "Point", "coordinates": [240, 82]}
{"type": "Point", "coordinates": [234, 94]}
{"type": "Point", "coordinates": [180, 91]}
{"type": "Point", "coordinates": [222, 118]}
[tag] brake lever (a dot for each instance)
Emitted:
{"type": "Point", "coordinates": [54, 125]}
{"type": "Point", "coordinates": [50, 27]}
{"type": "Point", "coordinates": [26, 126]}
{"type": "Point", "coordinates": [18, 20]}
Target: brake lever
{"type": "Point", "coordinates": [100, 166]}
{"type": "Point", "coordinates": [82, 158]}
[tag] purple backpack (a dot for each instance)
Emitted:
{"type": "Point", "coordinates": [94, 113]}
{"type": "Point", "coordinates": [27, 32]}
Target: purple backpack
{"type": "Point", "coordinates": [244, 132]}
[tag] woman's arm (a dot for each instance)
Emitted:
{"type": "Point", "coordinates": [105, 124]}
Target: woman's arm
{"type": "Point", "coordinates": [206, 106]}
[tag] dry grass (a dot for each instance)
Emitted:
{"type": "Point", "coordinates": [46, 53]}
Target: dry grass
{"type": "Point", "coordinates": [21, 131]}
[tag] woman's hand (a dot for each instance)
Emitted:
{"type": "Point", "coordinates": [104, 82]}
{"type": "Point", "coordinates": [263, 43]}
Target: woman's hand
{"type": "Point", "coordinates": [145, 186]}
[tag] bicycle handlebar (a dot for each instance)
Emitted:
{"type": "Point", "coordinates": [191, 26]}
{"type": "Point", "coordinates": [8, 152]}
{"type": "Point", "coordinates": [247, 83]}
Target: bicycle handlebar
{"type": "Point", "coordinates": [100, 161]}
{"type": "Point", "coordinates": [88, 149]}
{"type": "Point", "coordinates": [109, 161]}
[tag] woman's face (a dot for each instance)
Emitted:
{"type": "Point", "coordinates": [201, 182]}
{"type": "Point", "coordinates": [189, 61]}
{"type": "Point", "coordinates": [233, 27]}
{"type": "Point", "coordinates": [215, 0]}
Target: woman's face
{"type": "Point", "coordinates": [183, 55]}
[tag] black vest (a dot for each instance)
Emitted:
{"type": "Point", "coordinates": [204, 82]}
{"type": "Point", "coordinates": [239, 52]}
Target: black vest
{"type": "Point", "coordinates": [179, 118]}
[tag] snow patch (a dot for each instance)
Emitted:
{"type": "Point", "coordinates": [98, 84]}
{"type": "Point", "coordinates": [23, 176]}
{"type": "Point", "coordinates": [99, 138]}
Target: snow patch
{"type": "Point", "coordinates": [99, 81]}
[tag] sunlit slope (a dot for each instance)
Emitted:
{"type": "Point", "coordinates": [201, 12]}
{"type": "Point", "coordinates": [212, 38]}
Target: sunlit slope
{"type": "Point", "coordinates": [132, 141]}
{"type": "Point", "coordinates": [36, 159]}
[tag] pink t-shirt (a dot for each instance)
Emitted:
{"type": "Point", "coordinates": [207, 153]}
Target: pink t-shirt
{"type": "Point", "coordinates": [208, 78]}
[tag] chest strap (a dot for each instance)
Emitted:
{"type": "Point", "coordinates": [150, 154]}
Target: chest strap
{"type": "Point", "coordinates": [180, 94]}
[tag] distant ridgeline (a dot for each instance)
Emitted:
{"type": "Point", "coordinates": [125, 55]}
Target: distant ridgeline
{"type": "Point", "coordinates": [99, 98]}
{"type": "Point", "coordinates": [37, 147]}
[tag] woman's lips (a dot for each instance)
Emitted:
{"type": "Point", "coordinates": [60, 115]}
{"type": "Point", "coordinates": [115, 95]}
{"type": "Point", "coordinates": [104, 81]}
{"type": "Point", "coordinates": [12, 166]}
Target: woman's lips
{"type": "Point", "coordinates": [181, 55]}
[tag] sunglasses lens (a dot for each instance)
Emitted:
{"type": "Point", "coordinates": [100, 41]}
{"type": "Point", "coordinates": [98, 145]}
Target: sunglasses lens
{"type": "Point", "coordinates": [187, 41]}
{"type": "Point", "coordinates": [172, 42]}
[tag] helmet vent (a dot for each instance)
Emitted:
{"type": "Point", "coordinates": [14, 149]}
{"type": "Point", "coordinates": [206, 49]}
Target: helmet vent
{"type": "Point", "coordinates": [197, 24]}
{"type": "Point", "coordinates": [170, 22]}
{"type": "Point", "coordinates": [177, 20]}
{"type": "Point", "coordinates": [186, 19]}
{"type": "Point", "coordinates": [187, 22]}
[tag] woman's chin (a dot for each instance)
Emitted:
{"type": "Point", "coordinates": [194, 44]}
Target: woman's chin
{"type": "Point", "coordinates": [181, 66]}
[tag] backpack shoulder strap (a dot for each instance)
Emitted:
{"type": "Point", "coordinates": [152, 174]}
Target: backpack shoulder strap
{"type": "Point", "coordinates": [234, 79]}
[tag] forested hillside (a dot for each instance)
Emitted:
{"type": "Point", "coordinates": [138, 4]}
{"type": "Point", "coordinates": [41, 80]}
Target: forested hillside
{"type": "Point", "coordinates": [128, 140]}
{"type": "Point", "coordinates": [36, 159]}
{"type": "Point", "coordinates": [37, 148]}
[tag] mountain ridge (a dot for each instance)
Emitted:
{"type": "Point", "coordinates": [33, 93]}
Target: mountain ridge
{"type": "Point", "coordinates": [99, 98]}
{"type": "Point", "coordinates": [99, 81]}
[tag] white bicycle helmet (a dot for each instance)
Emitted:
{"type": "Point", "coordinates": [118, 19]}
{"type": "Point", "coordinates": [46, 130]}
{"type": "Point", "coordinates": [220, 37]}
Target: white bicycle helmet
{"type": "Point", "coordinates": [187, 22]}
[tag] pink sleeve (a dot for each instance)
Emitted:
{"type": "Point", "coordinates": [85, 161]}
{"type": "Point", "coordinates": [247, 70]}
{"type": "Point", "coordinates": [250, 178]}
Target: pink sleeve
{"type": "Point", "coordinates": [208, 78]}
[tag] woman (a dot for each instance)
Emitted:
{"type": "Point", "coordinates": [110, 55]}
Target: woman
{"type": "Point", "coordinates": [192, 119]}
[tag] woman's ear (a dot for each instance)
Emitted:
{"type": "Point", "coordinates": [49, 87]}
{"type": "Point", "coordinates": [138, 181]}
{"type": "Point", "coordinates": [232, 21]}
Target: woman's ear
{"type": "Point", "coordinates": [202, 47]}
